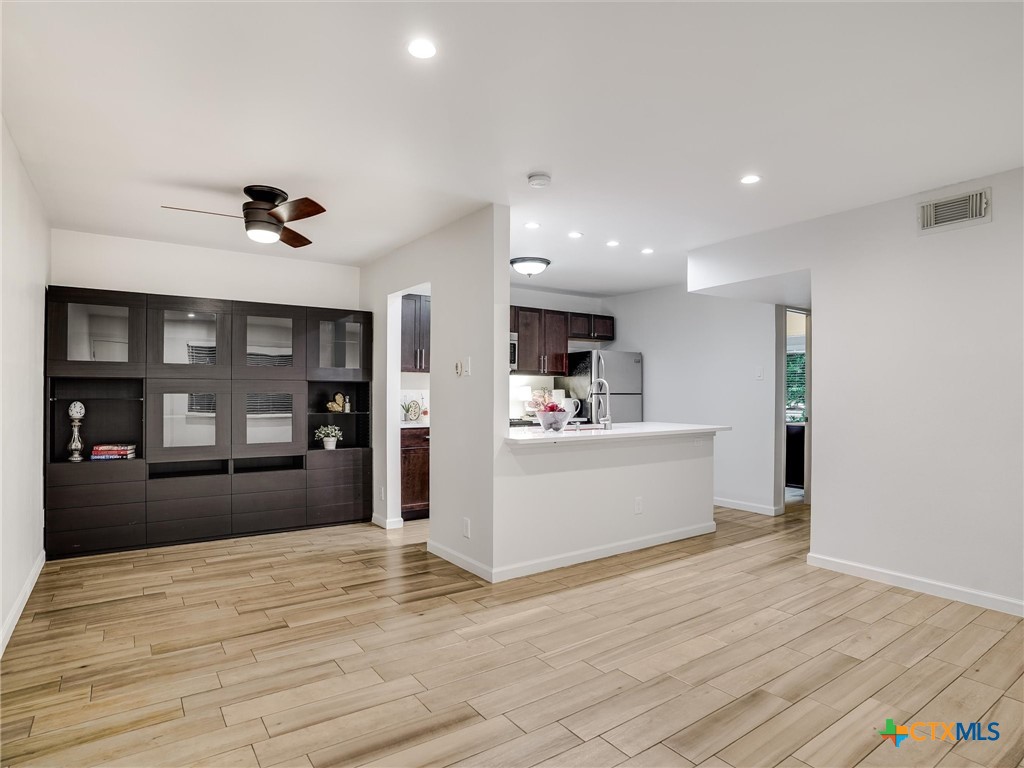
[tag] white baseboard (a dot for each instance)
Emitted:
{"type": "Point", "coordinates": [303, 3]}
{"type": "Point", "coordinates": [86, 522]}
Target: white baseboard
{"type": "Point", "coordinates": [11, 620]}
{"type": "Point", "coordinates": [466, 563]}
{"type": "Point", "coordinates": [920, 584]}
{"type": "Point", "coordinates": [530, 567]}
{"type": "Point", "coordinates": [743, 506]}
{"type": "Point", "coordinates": [387, 523]}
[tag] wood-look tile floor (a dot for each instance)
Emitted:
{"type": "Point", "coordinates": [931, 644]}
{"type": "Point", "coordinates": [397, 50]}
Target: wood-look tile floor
{"type": "Point", "coordinates": [353, 646]}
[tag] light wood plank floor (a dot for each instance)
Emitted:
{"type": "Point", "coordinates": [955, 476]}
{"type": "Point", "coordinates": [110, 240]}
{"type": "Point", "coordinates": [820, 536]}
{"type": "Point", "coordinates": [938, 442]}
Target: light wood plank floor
{"type": "Point", "coordinates": [353, 646]}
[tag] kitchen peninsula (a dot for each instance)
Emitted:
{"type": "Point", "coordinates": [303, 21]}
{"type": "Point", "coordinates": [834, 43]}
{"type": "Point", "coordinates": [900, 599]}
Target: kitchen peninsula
{"type": "Point", "coordinates": [579, 495]}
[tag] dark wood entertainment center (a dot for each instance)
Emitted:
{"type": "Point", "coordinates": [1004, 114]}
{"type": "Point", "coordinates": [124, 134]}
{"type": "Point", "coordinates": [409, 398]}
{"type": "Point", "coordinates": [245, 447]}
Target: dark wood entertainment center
{"type": "Point", "coordinates": [221, 400]}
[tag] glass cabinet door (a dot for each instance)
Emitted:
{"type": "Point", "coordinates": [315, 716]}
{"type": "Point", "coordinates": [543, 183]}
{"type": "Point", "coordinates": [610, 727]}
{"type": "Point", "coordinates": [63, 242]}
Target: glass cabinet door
{"type": "Point", "coordinates": [189, 338]}
{"type": "Point", "coordinates": [188, 419]}
{"type": "Point", "coordinates": [95, 333]}
{"type": "Point", "coordinates": [269, 342]}
{"type": "Point", "coordinates": [339, 345]}
{"type": "Point", "coordinates": [268, 418]}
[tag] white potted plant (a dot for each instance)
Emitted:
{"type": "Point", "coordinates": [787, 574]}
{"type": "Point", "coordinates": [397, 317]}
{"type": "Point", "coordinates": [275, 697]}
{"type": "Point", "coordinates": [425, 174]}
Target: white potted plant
{"type": "Point", "coordinates": [330, 434]}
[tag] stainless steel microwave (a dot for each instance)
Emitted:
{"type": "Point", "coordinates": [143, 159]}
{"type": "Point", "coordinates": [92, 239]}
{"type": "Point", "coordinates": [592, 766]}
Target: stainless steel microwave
{"type": "Point", "coordinates": [513, 351]}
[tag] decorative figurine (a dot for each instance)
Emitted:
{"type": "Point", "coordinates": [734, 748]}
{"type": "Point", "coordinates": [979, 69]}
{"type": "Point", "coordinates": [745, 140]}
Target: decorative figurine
{"type": "Point", "coordinates": [348, 404]}
{"type": "Point", "coordinates": [77, 412]}
{"type": "Point", "coordinates": [337, 405]}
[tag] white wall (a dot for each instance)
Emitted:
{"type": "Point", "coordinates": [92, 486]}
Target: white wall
{"type": "Point", "coordinates": [466, 264]}
{"type": "Point", "coordinates": [85, 260]}
{"type": "Point", "coordinates": [24, 273]}
{"type": "Point", "coordinates": [700, 358]}
{"type": "Point", "coordinates": [918, 451]}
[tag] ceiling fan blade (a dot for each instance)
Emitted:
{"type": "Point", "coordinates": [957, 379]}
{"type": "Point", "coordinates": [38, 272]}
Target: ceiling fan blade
{"type": "Point", "coordinates": [293, 238]}
{"type": "Point", "coordinates": [293, 210]}
{"type": "Point", "coordinates": [193, 210]}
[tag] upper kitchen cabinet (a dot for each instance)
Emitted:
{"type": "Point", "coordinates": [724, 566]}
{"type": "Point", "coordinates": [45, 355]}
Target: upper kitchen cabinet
{"type": "Point", "coordinates": [591, 327]}
{"type": "Point", "coordinates": [268, 341]}
{"type": "Point", "coordinates": [95, 333]}
{"type": "Point", "coordinates": [415, 333]}
{"type": "Point", "coordinates": [543, 341]}
{"type": "Point", "coordinates": [339, 345]}
{"type": "Point", "coordinates": [188, 338]}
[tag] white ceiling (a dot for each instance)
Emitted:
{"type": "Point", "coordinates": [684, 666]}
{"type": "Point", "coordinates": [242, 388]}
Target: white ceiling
{"type": "Point", "coordinates": [645, 114]}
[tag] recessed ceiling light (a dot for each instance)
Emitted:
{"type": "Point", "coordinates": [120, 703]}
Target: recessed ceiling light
{"type": "Point", "coordinates": [647, 251]}
{"type": "Point", "coordinates": [422, 48]}
{"type": "Point", "coordinates": [532, 225]}
{"type": "Point", "coordinates": [575, 235]}
{"type": "Point", "coordinates": [612, 243]}
{"type": "Point", "coordinates": [750, 179]}
{"type": "Point", "coordinates": [191, 314]}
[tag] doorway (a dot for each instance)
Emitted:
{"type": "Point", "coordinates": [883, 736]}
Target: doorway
{"type": "Point", "coordinates": [414, 401]}
{"type": "Point", "coordinates": [797, 401]}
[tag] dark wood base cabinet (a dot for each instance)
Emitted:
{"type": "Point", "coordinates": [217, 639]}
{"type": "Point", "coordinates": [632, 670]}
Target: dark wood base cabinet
{"type": "Point", "coordinates": [220, 450]}
{"type": "Point", "coordinates": [415, 473]}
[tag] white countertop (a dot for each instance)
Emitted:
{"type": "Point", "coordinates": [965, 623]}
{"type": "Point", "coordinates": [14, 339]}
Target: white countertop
{"type": "Point", "coordinates": [414, 425]}
{"type": "Point", "coordinates": [626, 431]}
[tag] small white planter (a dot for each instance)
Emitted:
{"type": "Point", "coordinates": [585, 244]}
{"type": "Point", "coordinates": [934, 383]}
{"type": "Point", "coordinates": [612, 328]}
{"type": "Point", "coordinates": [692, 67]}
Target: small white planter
{"type": "Point", "coordinates": [330, 443]}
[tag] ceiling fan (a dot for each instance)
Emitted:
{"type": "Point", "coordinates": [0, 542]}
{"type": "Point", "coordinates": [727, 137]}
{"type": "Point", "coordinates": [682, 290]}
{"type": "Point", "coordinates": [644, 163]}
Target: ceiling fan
{"type": "Point", "coordinates": [266, 214]}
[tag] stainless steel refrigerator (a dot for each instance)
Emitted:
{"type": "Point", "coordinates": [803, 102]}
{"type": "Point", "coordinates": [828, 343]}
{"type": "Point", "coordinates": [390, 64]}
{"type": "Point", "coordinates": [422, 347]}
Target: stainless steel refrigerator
{"type": "Point", "coordinates": [624, 373]}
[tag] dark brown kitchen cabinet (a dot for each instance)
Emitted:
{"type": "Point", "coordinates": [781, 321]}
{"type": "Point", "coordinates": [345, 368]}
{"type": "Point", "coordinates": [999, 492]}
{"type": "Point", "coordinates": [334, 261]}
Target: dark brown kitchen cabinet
{"type": "Point", "coordinates": [268, 418]}
{"type": "Point", "coordinates": [591, 327]}
{"type": "Point", "coordinates": [95, 333]}
{"type": "Point", "coordinates": [543, 341]}
{"type": "Point", "coordinates": [415, 473]}
{"type": "Point", "coordinates": [415, 333]}
{"type": "Point", "coordinates": [188, 419]}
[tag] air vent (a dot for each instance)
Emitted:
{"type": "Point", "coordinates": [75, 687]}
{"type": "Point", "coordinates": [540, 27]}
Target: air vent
{"type": "Point", "coordinates": [972, 208]}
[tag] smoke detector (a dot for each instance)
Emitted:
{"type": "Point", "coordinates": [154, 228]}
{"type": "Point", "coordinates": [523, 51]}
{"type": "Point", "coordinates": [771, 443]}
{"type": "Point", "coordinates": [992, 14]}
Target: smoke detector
{"type": "Point", "coordinates": [538, 180]}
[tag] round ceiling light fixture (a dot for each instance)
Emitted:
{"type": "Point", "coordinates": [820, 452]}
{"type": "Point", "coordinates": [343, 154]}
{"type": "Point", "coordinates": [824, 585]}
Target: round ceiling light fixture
{"type": "Point", "coordinates": [529, 265]}
{"type": "Point", "coordinates": [532, 225]}
{"type": "Point", "coordinates": [575, 235]}
{"type": "Point", "coordinates": [647, 251]}
{"type": "Point", "coordinates": [538, 180]}
{"type": "Point", "coordinates": [612, 243]}
{"type": "Point", "coordinates": [422, 48]}
{"type": "Point", "coordinates": [263, 231]}
{"type": "Point", "coordinates": [750, 178]}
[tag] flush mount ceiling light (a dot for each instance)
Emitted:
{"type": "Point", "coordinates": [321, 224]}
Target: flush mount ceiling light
{"type": "Point", "coordinates": [751, 178]}
{"type": "Point", "coordinates": [532, 225]}
{"type": "Point", "coordinates": [612, 243]}
{"type": "Point", "coordinates": [529, 265]}
{"type": "Point", "coordinates": [422, 48]}
{"type": "Point", "coordinates": [191, 314]}
{"type": "Point", "coordinates": [575, 235]}
{"type": "Point", "coordinates": [647, 251]}
{"type": "Point", "coordinates": [538, 180]}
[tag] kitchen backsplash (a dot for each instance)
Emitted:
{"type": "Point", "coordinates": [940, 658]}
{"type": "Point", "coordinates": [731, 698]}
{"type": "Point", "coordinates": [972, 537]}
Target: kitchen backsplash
{"type": "Point", "coordinates": [415, 402]}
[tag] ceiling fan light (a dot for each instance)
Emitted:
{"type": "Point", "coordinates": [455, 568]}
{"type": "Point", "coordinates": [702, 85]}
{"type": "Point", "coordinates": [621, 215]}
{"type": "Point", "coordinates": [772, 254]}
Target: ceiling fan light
{"type": "Point", "coordinates": [529, 265]}
{"type": "Point", "coordinates": [263, 231]}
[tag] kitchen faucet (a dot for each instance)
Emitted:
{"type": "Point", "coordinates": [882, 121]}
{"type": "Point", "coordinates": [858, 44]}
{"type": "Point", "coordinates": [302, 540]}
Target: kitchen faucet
{"type": "Point", "coordinates": [605, 420]}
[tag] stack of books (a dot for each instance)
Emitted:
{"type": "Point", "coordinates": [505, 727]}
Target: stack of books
{"type": "Point", "coordinates": [111, 451]}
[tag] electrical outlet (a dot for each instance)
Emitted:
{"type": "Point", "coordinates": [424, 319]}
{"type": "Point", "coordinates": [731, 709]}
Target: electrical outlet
{"type": "Point", "coordinates": [465, 527]}
{"type": "Point", "coordinates": [638, 505]}
{"type": "Point", "coordinates": [382, 493]}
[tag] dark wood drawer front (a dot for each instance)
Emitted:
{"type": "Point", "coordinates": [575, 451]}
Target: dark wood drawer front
{"type": "Point", "coordinates": [338, 513]}
{"type": "Point", "coordinates": [245, 503]}
{"type": "Point", "coordinates": [184, 509]}
{"type": "Point", "coordinates": [415, 438]}
{"type": "Point", "coordinates": [319, 478]}
{"type": "Point", "coordinates": [188, 487]}
{"type": "Point", "coordinates": [260, 482]}
{"type": "Point", "coordinates": [66, 496]}
{"type": "Point", "coordinates": [170, 531]}
{"type": "Point", "coordinates": [95, 472]}
{"type": "Point", "coordinates": [84, 518]}
{"type": "Point", "coordinates": [59, 543]}
{"type": "Point", "coordinates": [269, 521]}
{"type": "Point", "coordinates": [343, 457]}
{"type": "Point", "coordinates": [335, 494]}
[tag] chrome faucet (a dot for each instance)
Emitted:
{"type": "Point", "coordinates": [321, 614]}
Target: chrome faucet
{"type": "Point", "coordinates": [606, 419]}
